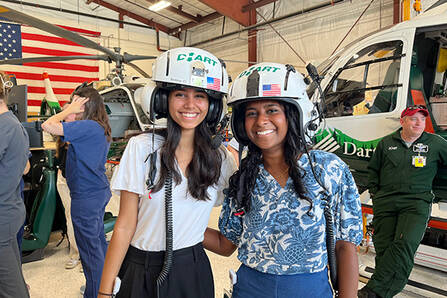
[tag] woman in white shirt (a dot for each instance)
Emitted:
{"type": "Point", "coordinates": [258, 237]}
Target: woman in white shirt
{"type": "Point", "coordinates": [190, 86]}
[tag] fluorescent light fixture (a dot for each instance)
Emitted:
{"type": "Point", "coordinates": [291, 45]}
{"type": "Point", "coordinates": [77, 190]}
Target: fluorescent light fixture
{"type": "Point", "coordinates": [159, 5]}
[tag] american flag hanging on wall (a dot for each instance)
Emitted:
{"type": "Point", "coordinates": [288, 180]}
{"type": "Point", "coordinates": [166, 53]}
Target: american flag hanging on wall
{"type": "Point", "coordinates": [21, 41]}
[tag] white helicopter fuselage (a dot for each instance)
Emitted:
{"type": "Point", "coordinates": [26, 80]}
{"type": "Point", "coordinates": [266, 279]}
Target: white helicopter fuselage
{"type": "Point", "coordinates": [368, 84]}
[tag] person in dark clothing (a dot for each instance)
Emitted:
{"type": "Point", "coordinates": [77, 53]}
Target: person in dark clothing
{"type": "Point", "coordinates": [401, 174]}
{"type": "Point", "coordinates": [22, 195]}
{"type": "Point", "coordinates": [14, 148]}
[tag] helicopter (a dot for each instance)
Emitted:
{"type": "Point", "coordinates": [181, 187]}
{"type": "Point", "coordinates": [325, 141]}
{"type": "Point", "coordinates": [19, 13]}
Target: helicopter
{"type": "Point", "coordinates": [114, 79]}
{"type": "Point", "coordinates": [366, 85]}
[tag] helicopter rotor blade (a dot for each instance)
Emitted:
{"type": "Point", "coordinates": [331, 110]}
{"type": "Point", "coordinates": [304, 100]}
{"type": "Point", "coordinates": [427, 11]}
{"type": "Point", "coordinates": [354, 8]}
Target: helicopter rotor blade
{"type": "Point", "coordinates": [142, 72]}
{"type": "Point", "coordinates": [19, 17]}
{"type": "Point", "coordinates": [20, 61]}
{"type": "Point", "coordinates": [129, 57]}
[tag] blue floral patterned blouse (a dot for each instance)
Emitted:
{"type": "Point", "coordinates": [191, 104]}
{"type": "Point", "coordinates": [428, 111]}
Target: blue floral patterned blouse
{"type": "Point", "coordinates": [277, 235]}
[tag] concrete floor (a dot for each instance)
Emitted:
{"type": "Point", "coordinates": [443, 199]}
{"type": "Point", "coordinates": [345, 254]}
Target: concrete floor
{"type": "Point", "coordinates": [48, 277]}
{"type": "Point", "coordinates": [423, 275]}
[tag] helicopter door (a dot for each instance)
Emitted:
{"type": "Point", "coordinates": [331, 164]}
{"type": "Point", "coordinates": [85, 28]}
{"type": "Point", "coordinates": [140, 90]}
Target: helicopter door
{"type": "Point", "coordinates": [363, 100]}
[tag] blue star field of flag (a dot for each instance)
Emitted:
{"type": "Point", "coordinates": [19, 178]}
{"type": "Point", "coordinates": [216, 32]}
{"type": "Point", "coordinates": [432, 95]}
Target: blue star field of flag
{"type": "Point", "coordinates": [10, 41]}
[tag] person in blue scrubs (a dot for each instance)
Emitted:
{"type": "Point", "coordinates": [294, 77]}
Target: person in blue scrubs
{"type": "Point", "coordinates": [89, 137]}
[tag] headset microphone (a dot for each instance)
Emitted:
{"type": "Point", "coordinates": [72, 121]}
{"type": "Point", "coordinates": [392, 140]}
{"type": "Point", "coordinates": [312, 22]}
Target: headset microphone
{"type": "Point", "coordinates": [313, 72]}
{"type": "Point", "coordinates": [216, 141]}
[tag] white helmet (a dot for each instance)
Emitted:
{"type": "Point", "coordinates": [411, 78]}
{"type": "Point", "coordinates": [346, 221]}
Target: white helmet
{"type": "Point", "coordinates": [271, 81]}
{"type": "Point", "coordinates": [189, 67]}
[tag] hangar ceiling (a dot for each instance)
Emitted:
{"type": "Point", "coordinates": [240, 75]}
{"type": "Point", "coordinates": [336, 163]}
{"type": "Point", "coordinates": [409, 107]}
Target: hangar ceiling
{"type": "Point", "coordinates": [183, 15]}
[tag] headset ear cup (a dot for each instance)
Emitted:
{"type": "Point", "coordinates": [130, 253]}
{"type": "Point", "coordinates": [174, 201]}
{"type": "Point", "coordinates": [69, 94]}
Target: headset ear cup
{"type": "Point", "coordinates": [238, 128]}
{"type": "Point", "coordinates": [159, 104]}
{"type": "Point", "coordinates": [153, 105]}
{"type": "Point", "coordinates": [164, 95]}
{"type": "Point", "coordinates": [214, 112]}
{"type": "Point", "coordinates": [242, 133]}
{"type": "Point", "coordinates": [209, 115]}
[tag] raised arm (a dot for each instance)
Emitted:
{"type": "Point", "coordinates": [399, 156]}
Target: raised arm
{"type": "Point", "coordinates": [53, 124]}
{"type": "Point", "coordinates": [216, 242]}
{"type": "Point", "coordinates": [122, 235]}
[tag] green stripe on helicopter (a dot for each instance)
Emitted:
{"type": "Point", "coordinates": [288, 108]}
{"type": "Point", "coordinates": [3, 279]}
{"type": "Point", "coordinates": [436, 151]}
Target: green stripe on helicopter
{"type": "Point", "coordinates": [333, 140]}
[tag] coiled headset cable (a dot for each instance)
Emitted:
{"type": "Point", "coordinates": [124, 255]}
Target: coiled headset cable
{"type": "Point", "coordinates": [168, 258]}
{"type": "Point", "coordinates": [150, 182]}
{"type": "Point", "coordinates": [169, 234]}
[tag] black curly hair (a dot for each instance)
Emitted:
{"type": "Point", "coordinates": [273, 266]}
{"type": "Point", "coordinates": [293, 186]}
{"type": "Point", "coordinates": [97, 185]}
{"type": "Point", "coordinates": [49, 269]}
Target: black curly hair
{"type": "Point", "coordinates": [243, 180]}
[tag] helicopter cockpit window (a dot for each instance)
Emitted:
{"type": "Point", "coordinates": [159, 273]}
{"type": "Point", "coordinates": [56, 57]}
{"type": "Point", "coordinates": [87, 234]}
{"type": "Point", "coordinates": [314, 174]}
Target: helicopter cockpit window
{"type": "Point", "coordinates": [368, 83]}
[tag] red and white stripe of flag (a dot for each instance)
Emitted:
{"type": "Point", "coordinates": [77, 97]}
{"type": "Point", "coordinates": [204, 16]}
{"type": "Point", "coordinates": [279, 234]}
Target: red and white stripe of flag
{"type": "Point", "coordinates": [65, 76]}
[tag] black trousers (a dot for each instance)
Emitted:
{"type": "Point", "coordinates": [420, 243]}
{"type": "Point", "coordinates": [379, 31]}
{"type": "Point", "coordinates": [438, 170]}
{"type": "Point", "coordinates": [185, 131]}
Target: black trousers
{"type": "Point", "coordinates": [189, 277]}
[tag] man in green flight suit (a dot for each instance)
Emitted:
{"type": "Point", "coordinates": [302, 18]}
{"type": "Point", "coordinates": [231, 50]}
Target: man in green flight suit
{"type": "Point", "coordinates": [401, 174]}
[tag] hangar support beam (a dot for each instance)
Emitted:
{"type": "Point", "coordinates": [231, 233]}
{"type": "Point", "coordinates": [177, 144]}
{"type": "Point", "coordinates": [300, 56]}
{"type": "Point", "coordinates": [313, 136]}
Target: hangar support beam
{"type": "Point", "coordinates": [252, 39]}
{"type": "Point", "coordinates": [257, 4]}
{"type": "Point", "coordinates": [178, 10]}
{"type": "Point", "coordinates": [58, 9]}
{"type": "Point", "coordinates": [231, 9]}
{"type": "Point", "coordinates": [207, 18]}
{"type": "Point", "coordinates": [271, 21]}
{"type": "Point", "coordinates": [131, 15]}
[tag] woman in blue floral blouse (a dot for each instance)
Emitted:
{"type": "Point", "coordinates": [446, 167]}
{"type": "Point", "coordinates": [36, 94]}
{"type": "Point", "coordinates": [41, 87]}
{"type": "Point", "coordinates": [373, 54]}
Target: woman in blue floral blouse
{"type": "Point", "coordinates": [273, 211]}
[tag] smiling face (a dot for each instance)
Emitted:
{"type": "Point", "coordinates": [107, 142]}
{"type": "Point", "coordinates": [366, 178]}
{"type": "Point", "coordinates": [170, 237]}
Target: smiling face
{"type": "Point", "coordinates": [413, 126]}
{"type": "Point", "coordinates": [266, 124]}
{"type": "Point", "coordinates": [188, 107]}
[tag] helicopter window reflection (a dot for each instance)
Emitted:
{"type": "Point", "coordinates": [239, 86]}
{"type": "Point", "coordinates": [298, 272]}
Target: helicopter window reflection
{"type": "Point", "coordinates": [368, 83]}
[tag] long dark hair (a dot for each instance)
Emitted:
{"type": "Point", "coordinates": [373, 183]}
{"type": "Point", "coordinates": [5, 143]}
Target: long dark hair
{"type": "Point", "coordinates": [95, 110]}
{"type": "Point", "coordinates": [59, 147]}
{"type": "Point", "coordinates": [203, 170]}
{"type": "Point", "coordinates": [243, 180]}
